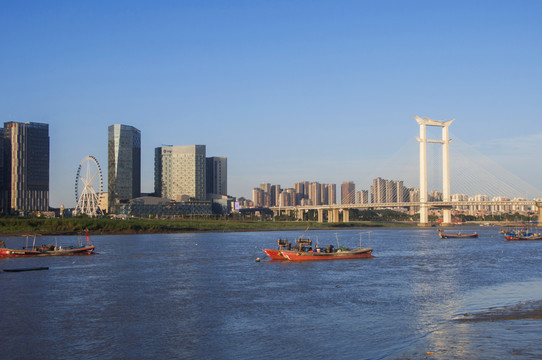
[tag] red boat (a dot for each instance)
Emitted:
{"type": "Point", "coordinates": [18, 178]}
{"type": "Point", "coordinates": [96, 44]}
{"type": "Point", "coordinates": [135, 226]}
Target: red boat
{"type": "Point", "coordinates": [294, 255]}
{"type": "Point", "coordinates": [519, 237]}
{"type": "Point", "coordinates": [47, 250]}
{"type": "Point", "coordinates": [303, 251]}
{"type": "Point", "coordinates": [275, 254]}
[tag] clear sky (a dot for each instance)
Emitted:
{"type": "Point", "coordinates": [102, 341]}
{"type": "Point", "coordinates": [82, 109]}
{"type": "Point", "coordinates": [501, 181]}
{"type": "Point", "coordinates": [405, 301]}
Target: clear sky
{"type": "Point", "coordinates": [287, 90]}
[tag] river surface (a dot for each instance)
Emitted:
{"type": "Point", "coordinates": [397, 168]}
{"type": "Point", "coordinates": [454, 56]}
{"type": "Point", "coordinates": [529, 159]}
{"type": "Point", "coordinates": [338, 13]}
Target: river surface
{"type": "Point", "coordinates": [204, 296]}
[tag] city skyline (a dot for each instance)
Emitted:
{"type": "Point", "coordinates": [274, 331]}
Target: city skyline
{"type": "Point", "coordinates": [285, 90]}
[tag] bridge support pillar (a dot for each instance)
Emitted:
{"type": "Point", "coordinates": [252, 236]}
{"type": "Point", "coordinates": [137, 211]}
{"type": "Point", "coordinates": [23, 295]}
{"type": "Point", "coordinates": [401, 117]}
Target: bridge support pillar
{"type": "Point", "coordinates": [446, 217]}
{"type": "Point", "coordinates": [422, 139]}
{"type": "Point", "coordinates": [346, 215]}
{"type": "Point", "coordinates": [320, 215]}
{"type": "Point", "coordinates": [539, 214]}
{"type": "Point", "coordinates": [333, 215]}
{"type": "Point", "coordinates": [299, 214]}
{"type": "Point", "coordinates": [424, 216]}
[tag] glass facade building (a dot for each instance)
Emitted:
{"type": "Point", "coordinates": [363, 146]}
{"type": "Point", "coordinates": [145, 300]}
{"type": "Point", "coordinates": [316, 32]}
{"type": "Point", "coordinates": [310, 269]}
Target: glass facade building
{"type": "Point", "coordinates": [124, 164]}
{"type": "Point", "coordinates": [24, 176]}
{"type": "Point", "coordinates": [179, 172]}
{"type": "Point", "coordinates": [217, 175]}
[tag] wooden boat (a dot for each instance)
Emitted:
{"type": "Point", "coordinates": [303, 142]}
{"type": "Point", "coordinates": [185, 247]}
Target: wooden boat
{"type": "Point", "coordinates": [521, 237]}
{"type": "Point", "coordinates": [344, 254]}
{"type": "Point", "coordinates": [284, 244]}
{"type": "Point", "coordinates": [47, 250]}
{"type": "Point", "coordinates": [303, 251]}
{"type": "Point", "coordinates": [456, 236]}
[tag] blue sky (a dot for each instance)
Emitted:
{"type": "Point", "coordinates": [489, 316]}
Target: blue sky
{"type": "Point", "coordinates": [287, 90]}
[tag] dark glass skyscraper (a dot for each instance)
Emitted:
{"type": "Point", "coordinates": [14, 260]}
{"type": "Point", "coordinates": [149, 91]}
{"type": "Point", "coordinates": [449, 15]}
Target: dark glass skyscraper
{"type": "Point", "coordinates": [217, 175]}
{"type": "Point", "coordinates": [24, 169]}
{"type": "Point", "coordinates": [124, 164]}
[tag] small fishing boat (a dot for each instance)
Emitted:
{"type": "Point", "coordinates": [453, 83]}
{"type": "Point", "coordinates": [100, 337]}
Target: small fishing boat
{"type": "Point", "coordinates": [522, 237]}
{"type": "Point", "coordinates": [303, 251]}
{"type": "Point", "coordinates": [456, 236]}
{"type": "Point", "coordinates": [47, 250]}
{"type": "Point", "coordinates": [284, 244]}
{"type": "Point", "coordinates": [275, 254]}
{"type": "Point", "coordinates": [338, 254]}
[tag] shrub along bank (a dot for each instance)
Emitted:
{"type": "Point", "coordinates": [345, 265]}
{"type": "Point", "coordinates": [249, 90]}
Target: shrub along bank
{"type": "Point", "coordinates": [69, 226]}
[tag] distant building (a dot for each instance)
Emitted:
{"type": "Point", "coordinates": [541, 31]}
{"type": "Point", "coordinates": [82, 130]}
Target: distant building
{"type": "Point", "coordinates": [275, 194]}
{"type": "Point", "coordinates": [331, 194]}
{"type": "Point", "coordinates": [124, 164]}
{"type": "Point", "coordinates": [258, 197]}
{"type": "Point", "coordinates": [266, 187]}
{"type": "Point", "coordinates": [362, 197]}
{"type": "Point", "coordinates": [314, 193]}
{"type": "Point", "coordinates": [324, 194]}
{"type": "Point", "coordinates": [24, 165]}
{"type": "Point", "coordinates": [217, 175]}
{"type": "Point", "coordinates": [179, 172]}
{"type": "Point", "coordinates": [378, 191]}
{"type": "Point", "coordinates": [299, 192]}
{"type": "Point", "coordinates": [103, 201]}
{"type": "Point", "coordinates": [155, 207]}
{"type": "Point", "coordinates": [348, 192]}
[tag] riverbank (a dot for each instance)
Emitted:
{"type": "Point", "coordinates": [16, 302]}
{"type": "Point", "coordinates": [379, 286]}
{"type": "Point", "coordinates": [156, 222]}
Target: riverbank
{"type": "Point", "coordinates": [524, 310]}
{"type": "Point", "coordinates": [106, 226]}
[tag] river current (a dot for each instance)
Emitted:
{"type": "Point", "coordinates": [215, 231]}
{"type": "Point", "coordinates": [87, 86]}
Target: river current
{"type": "Point", "coordinates": [204, 296]}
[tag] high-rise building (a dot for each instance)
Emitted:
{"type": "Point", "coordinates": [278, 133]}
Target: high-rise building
{"type": "Point", "coordinates": [258, 197]}
{"type": "Point", "coordinates": [275, 194]}
{"type": "Point", "coordinates": [401, 191]}
{"type": "Point", "coordinates": [24, 179]}
{"type": "Point", "coordinates": [314, 193]}
{"type": "Point", "coordinates": [124, 164]}
{"type": "Point", "coordinates": [217, 175]}
{"type": "Point", "coordinates": [391, 191]}
{"type": "Point", "coordinates": [299, 192]}
{"type": "Point", "coordinates": [324, 195]}
{"type": "Point", "coordinates": [179, 172]}
{"type": "Point", "coordinates": [363, 197]}
{"type": "Point", "coordinates": [348, 192]}
{"type": "Point", "coordinates": [378, 191]}
{"type": "Point", "coordinates": [331, 194]}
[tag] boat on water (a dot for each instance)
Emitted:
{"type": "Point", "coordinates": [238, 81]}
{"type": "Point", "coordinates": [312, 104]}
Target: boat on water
{"type": "Point", "coordinates": [303, 251]}
{"type": "Point", "coordinates": [275, 254]}
{"type": "Point", "coordinates": [47, 250]}
{"type": "Point", "coordinates": [443, 235]}
{"type": "Point", "coordinates": [334, 254]}
{"type": "Point", "coordinates": [522, 235]}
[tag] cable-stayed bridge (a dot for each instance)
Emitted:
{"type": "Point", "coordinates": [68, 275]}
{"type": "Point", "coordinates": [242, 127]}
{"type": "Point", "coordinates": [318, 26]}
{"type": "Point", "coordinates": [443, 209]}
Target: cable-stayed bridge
{"type": "Point", "coordinates": [495, 189]}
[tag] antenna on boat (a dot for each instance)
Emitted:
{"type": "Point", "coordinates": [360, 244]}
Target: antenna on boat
{"type": "Point", "coordinates": [308, 226]}
{"type": "Point", "coordinates": [337, 237]}
{"type": "Point", "coordinates": [361, 234]}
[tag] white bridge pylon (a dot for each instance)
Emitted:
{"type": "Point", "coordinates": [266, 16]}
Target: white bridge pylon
{"type": "Point", "coordinates": [422, 139]}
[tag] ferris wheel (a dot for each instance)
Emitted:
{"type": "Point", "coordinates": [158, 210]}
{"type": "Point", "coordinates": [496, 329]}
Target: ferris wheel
{"type": "Point", "coordinates": [88, 184]}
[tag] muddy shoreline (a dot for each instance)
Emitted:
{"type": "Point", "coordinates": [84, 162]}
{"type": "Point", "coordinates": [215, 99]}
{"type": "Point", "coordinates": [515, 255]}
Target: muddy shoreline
{"type": "Point", "coordinates": [524, 310]}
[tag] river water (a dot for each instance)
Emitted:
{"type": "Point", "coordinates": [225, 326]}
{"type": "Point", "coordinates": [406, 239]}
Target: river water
{"type": "Point", "coordinates": [203, 296]}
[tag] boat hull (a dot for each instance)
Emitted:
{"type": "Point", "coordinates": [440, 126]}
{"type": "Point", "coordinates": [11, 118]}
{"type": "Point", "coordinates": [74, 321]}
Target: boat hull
{"type": "Point", "coordinates": [522, 238]}
{"type": "Point", "coordinates": [274, 254]}
{"type": "Point", "coordinates": [294, 255]}
{"type": "Point", "coordinates": [85, 250]}
{"type": "Point", "coordinates": [458, 236]}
